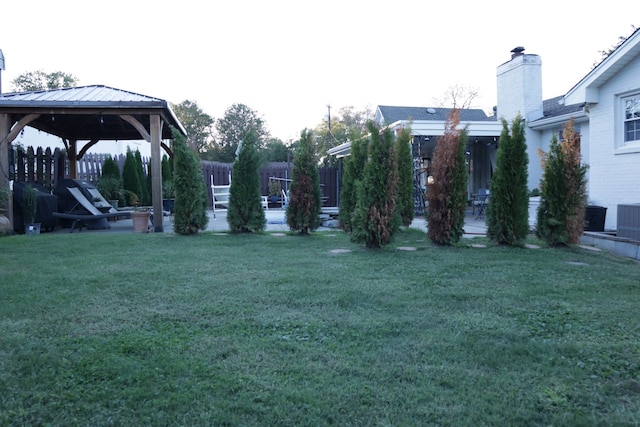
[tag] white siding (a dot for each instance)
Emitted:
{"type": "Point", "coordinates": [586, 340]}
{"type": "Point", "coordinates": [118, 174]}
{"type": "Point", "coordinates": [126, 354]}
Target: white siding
{"type": "Point", "coordinates": [614, 175]}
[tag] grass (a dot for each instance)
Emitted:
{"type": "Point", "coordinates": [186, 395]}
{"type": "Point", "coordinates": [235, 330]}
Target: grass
{"type": "Point", "coordinates": [131, 329]}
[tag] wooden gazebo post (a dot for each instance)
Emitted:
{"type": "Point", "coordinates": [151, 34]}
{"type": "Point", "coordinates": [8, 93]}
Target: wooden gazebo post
{"type": "Point", "coordinates": [5, 144]}
{"type": "Point", "coordinates": [156, 172]}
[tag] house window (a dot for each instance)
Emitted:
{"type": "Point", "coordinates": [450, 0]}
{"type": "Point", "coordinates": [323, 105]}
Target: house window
{"type": "Point", "coordinates": [632, 119]}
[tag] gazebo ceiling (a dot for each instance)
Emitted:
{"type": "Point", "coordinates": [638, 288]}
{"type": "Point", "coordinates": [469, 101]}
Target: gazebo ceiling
{"type": "Point", "coordinates": [89, 113]}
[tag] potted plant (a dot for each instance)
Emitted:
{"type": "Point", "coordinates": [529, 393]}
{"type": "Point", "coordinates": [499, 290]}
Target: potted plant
{"type": "Point", "coordinates": [5, 225]}
{"type": "Point", "coordinates": [111, 189]}
{"type": "Point", "coordinates": [29, 207]}
{"type": "Point", "coordinates": [168, 195]}
{"type": "Point", "coordinates": [139, 216]}
{"type": "Point", "coordinates": [275, 190]}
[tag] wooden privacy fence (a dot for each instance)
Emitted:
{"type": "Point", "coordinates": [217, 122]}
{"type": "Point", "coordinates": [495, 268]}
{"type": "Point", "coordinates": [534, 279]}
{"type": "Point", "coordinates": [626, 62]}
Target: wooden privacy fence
{"type": "Point", "coordinates": [46, 167]}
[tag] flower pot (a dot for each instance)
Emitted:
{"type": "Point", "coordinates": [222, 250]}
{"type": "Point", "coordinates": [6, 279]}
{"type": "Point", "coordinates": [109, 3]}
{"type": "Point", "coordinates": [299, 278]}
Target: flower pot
{"type": "Point", "coordinates": [5, 225]}
{"type": "Point", "coordinates": [114, 203]}
{"type": "Point", "coordinates": [140, 221]}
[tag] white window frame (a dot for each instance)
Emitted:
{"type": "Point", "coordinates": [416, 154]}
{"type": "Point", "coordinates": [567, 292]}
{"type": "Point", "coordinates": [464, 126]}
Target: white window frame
{"type": "Point", "coordinates": [624, 146]}
{"type": "Point", "coordinates": [631, 116]}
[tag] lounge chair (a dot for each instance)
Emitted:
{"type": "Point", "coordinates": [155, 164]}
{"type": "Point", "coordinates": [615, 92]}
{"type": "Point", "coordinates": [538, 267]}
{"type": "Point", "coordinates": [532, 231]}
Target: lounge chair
{"type": "Point", "coordinates": [84, 212]}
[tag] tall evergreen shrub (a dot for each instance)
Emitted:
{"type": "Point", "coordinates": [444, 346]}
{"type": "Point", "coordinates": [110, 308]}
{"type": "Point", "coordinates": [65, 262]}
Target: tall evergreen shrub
{"type": "Point", "coordinates": [375, 219]}
{"type": "Point", "coordinates": [405, 176]}
{"type": "Point", "coordinates": [245, 212]}
{"type": "Point", "coordinates": [145, 196]}
{"type": "Point", "coordinates": [560, 216]}
{"type": "Point", "coordinates": [110, 169]}
{"type": "Point", "coordinates": [192, 199]}
{"type": "Point", "coordinates": [353, 171]}
{"type": "Point", "coordinates": [131, 179]}
{"type": "Point", "coordinates": [447, 194]}
{"type": "Point", "coordinates": [305, 197]}
{"type": "Point", "coordinates": [508, 210]}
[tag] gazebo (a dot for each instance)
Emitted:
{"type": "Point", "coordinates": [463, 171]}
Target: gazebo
{"type": "Point", "coordinates": [82, 116]}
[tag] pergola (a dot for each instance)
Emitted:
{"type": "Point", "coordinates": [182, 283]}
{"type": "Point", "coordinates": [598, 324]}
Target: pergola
{"type": "Point", "coordinates": [82, 116]}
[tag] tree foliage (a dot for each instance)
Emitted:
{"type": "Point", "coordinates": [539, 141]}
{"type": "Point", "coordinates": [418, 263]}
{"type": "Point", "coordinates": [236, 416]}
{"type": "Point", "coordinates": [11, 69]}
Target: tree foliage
{"type": "Point", "coordinates": [40, 80]}
{"type": "Point", "coordinates": [337, 128]}
{"type": "Point", "coordinates": [405, 176]}
{"type": "Point", "coordinates": [375, 219]}
{"type": "Point", "coordinates": [197, 123]}
{"type": "Point", "coordinates": [456, 96]}
{"type": "Point", "coordinates": [508, 210]}
{"type": "Point", "coordinates": [237, 122]}
{"type": "Point", "coordinates": [131, 178]}
{"type": "Point", "coordinates": [353, 172]}
{"type": "Point", "coordinates": [446, 195]}
{"type": "Point", "coordinates": [275, 150]}
{"type": "Point", "coordinates": [245, 212]}
{"type": "Point", "coordinates": [560, 216]}
{"type": "Point", "coordinates": [192, 199]}
{"type": "Point", "coordinates": [305, 199]}
{"type": "Point", "coordinates": [145, 195]}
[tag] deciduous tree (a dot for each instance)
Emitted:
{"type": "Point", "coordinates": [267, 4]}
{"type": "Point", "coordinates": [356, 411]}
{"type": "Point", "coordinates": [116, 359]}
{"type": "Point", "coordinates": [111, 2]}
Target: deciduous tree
{"type": "Point", "coordinates": [237, 122]}
{"type": "Point", "coordinates": [40, 80]}
{"type": "Point", "coordinates": [197, 123]}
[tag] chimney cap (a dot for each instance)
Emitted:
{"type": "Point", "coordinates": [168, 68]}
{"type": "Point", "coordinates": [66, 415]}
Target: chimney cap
{"type": "Point", "coordinates": [517, 50]}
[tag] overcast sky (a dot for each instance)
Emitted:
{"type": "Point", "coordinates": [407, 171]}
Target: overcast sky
{"type": "Point", "coordinates": [289, 59]}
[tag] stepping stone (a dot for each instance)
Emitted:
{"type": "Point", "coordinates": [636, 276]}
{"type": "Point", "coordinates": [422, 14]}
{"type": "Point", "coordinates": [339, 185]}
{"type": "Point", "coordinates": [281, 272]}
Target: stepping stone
{"type": "Point", "coordinates": [590, 248]}
{"type": "Point", "coordinates": [278, 234]}
{"type": "Point", "coordinates": [530, 246]}
{"type": "Point", "coordinates": [576, 263]}
{"type": "Point", "coordinates": [340, 251]}
{"type": "Point", "coordinates": [406, 248]}
{"type": "Point", "coordinates": [478, 245]}
{"type": "Point", "coordinates": [330, 235]}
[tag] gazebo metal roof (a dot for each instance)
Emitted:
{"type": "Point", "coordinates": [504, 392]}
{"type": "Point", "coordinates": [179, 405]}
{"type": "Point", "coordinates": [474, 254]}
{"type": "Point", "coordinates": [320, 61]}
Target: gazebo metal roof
{"type": "Point", "coordinates": [82, 116]}
{"type": "Point", "coordinates": [89, 113]}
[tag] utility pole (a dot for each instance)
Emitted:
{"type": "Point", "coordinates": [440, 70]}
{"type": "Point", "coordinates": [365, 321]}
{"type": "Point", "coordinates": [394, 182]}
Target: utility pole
{"type": "Point", "coordinates": [329, 117]}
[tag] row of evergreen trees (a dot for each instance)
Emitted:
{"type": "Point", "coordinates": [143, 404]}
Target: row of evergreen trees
{"type": "Point", "coordinates": [245, 213]}
{"type": "Point", "coordinates": [378, 182]}
{"type": "Point", "coordinates": [377, 190]}
{"type": "Point", "coordinates": [563, 199]}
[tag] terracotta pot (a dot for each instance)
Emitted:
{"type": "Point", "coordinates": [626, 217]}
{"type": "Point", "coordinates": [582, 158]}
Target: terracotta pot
{"type": "Point", "coordinates": [4, 224]}
{"type": "Point", "coordinates": [140, 221]}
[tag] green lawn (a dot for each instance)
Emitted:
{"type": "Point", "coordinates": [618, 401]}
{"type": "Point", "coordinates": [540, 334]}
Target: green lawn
{"type": "Point", "coordinates": [132, 329]}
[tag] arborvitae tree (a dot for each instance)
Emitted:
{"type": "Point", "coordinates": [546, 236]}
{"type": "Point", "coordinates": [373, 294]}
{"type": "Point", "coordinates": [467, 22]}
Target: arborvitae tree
{"type": "Point", "coordinates": [145, 197]}
{"type": "Point", "coordinates": [245, 212]}
{"type": "Point", "coordinates": [375, 219]}
{"type": "Point", "coordinates": [405, 176]}
{"type": "Point", "coordinates": [447, 193]}
{"type": "Point", "coordinates": [110, 181]}
{"type": "Point", "coordinates": [192, 199]}
{"type": "Point", "coordinates": [353, 170]}
{"type": "Point", "coordinates": [508, 209]}
{"type": "Point", "coordinates": [131, 178]}
{"type": "Point", "coordinates": [560, 218]}
{"type": "Point", "coordinates": [110, 169]}
{"type": "Point", "coordinates": [167, 169]}
{"type": "Point", "coordinates": [305, 198]}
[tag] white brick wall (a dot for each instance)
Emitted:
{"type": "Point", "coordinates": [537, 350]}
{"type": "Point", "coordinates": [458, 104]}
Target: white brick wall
{"type": "Point", "coordinates": [519, 84]}
{"type": "Point", "coordinates": [614, 172]}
